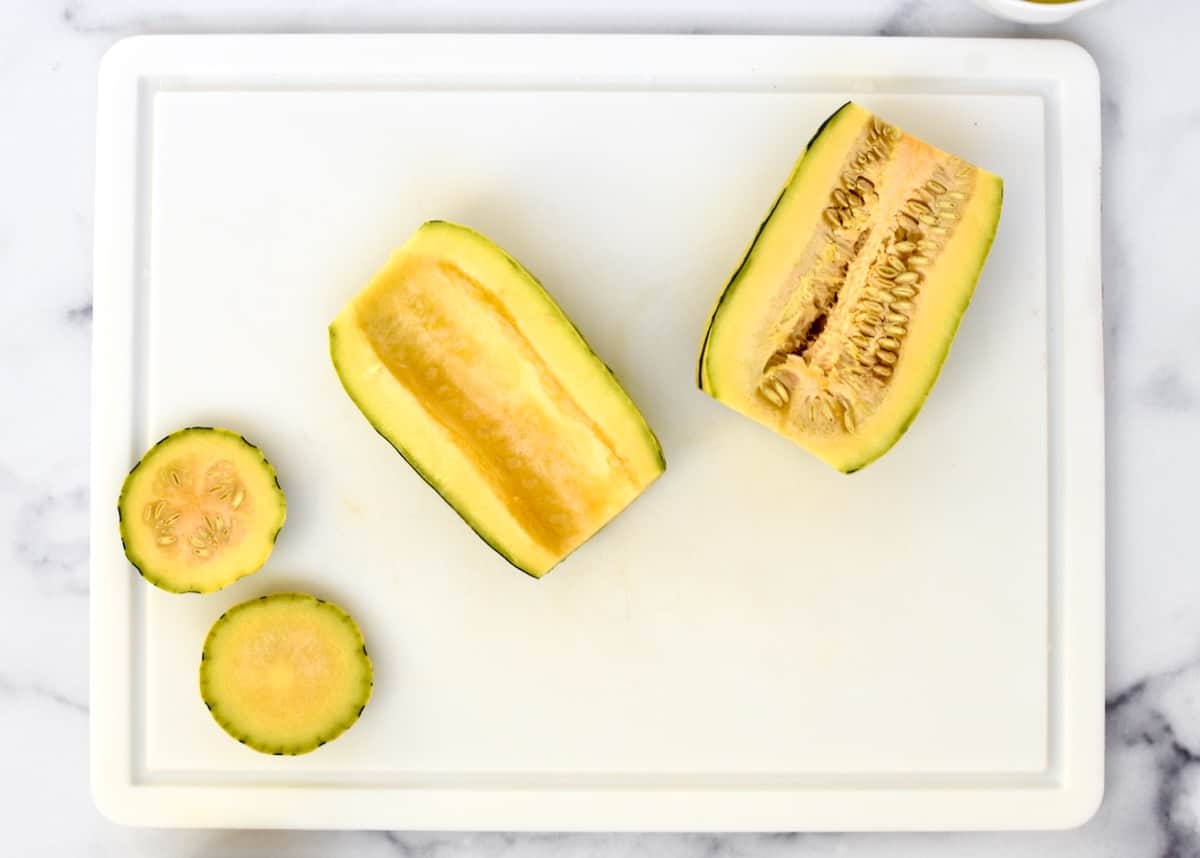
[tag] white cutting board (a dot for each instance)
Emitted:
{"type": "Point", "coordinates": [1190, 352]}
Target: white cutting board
{"type": "Point", "coordinates": [759, 642]}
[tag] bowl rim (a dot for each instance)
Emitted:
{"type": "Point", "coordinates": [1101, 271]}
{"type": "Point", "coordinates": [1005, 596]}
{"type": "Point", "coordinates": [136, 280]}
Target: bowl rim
{"type": "Point", "coordinates": [1049, 10]}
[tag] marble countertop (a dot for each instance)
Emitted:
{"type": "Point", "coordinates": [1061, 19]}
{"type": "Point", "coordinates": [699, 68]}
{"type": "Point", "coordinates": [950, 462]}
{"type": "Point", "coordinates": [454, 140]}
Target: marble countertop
{"type": "Point", "coordinates": [48, 57]}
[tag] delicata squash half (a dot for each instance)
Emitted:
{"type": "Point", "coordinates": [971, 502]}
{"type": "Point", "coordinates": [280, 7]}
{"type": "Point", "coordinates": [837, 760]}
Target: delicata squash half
{"type": "Point", "coordinates": [835, 326]}
{"type": "Point", "coordinates": [463, 362]}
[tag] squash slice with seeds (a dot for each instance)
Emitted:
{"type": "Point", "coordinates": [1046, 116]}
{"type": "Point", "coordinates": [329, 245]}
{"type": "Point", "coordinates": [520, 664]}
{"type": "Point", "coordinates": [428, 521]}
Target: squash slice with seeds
{"type": "Point", "coordinates": [201, 509]}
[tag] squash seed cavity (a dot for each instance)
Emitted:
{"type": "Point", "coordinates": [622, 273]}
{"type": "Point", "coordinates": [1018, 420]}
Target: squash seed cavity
{"type": "Point", "coordinates": [845, 331]}
{"type": "Point", "coordinates": [196, 510]}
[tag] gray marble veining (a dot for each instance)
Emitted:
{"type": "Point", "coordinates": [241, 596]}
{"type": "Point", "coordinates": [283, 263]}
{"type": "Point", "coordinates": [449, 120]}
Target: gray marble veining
{"type": "Point", "coordinates": [1149, 66]}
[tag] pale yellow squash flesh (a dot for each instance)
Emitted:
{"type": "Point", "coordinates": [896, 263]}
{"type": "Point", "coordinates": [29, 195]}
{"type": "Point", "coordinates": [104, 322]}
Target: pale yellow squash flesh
{"type": "Point", "coordinates": [464, 363]}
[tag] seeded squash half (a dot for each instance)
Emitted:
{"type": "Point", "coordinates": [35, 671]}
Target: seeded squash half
{"type": "Point", "coordinates": [463, 362]}
{"type": "Point", "coordinates": [285, 673]}
{"type": "Point", "coordinates": [201, 509]}
{"type": "Point", "coordinates": [836, 323]}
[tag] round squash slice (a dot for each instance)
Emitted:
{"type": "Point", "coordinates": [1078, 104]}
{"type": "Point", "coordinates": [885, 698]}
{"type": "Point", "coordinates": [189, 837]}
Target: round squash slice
{"type": "Point", "coordinates": [285, 673]}
{"type": "Point", "coordinates": [200, 510]}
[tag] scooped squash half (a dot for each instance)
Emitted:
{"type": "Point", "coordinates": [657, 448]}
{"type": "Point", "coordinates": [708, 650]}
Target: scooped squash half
{"type": "Point", "coordinates": [463, 362]}
{"type": "Point", "coordinates": [201, 509]}
{"type": "Point", "coordinates": [835, 326]}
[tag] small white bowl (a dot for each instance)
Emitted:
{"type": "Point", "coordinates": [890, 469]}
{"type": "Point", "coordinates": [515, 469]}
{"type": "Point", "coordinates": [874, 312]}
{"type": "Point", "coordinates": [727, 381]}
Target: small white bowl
{"type": "Point", "coordinates": [1036, 13]}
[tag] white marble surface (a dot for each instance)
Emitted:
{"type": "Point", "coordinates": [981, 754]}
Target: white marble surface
{"type": "Point", "coordinates": [1149, 66]}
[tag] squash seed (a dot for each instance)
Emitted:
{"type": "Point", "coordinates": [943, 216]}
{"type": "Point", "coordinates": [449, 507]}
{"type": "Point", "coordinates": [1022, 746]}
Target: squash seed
{"type": "Point", "coordinates": [771, 396]}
